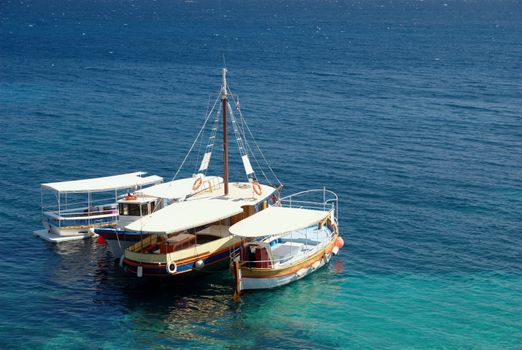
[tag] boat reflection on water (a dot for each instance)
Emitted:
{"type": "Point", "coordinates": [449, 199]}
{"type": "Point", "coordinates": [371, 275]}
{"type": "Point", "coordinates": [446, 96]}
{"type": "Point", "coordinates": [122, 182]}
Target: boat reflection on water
{"type": "Point", "coordinates": [94, 289]}
{"type": "Point", "coordinates": [182, 309]}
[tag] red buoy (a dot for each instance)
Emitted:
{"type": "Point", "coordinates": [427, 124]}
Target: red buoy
{"type": "Point", "coordinates": [339, 242]}
{"type": "Point", "coordinates": [100, 240]}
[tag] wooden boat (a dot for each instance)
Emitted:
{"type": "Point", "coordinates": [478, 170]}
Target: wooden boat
{"type": "Point", "coordinates": [71, 208]}
{"type": "Point", "coordinates": [285, 242]}
{"type": "Point", "coordinates": [192, 236]}
{"type": "Point", "coordinates": [146, 201]}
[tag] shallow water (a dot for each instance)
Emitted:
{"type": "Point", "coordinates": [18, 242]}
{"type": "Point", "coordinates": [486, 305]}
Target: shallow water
{"type": "Point", "coordinates": [410, 111]}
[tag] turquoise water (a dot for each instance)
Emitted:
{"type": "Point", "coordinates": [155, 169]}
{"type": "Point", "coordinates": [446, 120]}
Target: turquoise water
{"type": "Point", "coordinates": [410, 111]}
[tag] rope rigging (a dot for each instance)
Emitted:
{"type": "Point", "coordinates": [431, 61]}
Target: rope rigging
{"type": "Point", "coordinates": [243, 122]}
{"type": "Point", "coordinates": [240, 129]}
{"type": "Point", "coordinates": [197, 137]}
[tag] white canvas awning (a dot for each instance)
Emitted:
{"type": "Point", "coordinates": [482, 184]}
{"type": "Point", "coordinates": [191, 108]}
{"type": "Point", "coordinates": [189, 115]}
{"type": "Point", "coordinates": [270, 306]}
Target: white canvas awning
{"type": "Point", "coordinates": [276, 221]}
{"type": "Point", "coordinates": [186, 215]}
{"type": "Point", "coordinates": [179, 188]}
{"type": "Point", "coordinates": [107, 183]}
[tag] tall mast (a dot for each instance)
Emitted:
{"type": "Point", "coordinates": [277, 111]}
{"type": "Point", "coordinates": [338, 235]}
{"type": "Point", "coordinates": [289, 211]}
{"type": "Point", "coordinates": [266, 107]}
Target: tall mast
{"type": "Point", "coordinates": [224, 100]}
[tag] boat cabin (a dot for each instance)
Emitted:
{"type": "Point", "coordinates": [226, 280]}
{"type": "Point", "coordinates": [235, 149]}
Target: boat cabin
{"type": "Point", "coordinates": [132, 207]}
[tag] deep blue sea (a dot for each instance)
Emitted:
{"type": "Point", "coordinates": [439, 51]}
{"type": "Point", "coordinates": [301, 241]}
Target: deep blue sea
{"type": "Point", "coordinates": [410, 110]}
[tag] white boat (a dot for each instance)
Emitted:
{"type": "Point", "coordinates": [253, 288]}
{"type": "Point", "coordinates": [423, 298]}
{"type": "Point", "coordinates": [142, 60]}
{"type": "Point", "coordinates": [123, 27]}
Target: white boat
{"type": "Point", "coordinates": [71, 208]}
{"type": "Point", "coordinates": [285, 242]}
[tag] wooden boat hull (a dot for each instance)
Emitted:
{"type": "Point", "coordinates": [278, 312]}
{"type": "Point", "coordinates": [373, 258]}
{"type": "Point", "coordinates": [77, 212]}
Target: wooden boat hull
{"type": "Point", "coordinates": [251, 278]}
{"type": "Point", "coordinates": [156, 265]}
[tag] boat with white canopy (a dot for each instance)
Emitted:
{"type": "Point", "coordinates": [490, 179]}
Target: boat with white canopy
{"type": "Point", "coordinates": [144, 202]}
{"type": "Point", "coordinates": [285, 242]}
{"type": "Point", "coordinates": [71, 208]}
{"type": "Point", "coordinates": [192, 236]}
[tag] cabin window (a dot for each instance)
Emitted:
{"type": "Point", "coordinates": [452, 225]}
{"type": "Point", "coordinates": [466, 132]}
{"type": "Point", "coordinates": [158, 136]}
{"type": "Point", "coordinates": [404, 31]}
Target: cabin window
{"type": "Point", "coordinates": [134, 210]}
{"type": "Point", "coordinates": [152, 207]}
{"type": "Point", "coordinates": [124, 210]}
{"type": "Point", "coordinates": [144, 209]}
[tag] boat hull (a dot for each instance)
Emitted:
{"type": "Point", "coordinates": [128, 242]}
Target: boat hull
{"type": "Point", "coordinates": [49, 236]}
{"type": "Point", "coordinates": [141, 265]}
{"type": "Point", "coordinates": [248, 278]}
{"type": "Point", "coordinates": [69, 231]}
{"type": "Point", "coordinates": [216, 262]}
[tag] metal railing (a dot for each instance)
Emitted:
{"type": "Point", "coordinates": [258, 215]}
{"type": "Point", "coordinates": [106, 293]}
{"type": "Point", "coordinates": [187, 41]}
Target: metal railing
{"type": "Point", "coordinates": [82, 213]}
{"type": "Point", "coordinates": [329, 200]}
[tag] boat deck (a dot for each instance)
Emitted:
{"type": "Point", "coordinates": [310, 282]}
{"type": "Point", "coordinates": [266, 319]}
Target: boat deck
{"type": "Point", "coordinates": [296, 246]}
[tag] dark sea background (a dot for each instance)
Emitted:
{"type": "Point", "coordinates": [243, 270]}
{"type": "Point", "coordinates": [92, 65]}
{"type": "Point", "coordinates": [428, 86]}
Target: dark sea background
{"type": "Point", "coordinates": [409, 110]}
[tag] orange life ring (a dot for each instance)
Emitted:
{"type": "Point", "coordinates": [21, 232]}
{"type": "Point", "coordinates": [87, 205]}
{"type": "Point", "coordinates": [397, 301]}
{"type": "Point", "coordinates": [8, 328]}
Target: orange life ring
{"type": "Point", "coordinates": [197, 184]}
{"type": "Point", "coordinates": [131, 198]}
{"type": "Point", "coordinates": [257, 188]}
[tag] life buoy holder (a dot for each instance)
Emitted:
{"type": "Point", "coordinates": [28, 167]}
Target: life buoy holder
{"type": "Point", "coordinates": [256, 187]}
{"type": "Point", "coordinates": [171, 267]}
{"type": "Point", "coordinates": [197, 184]}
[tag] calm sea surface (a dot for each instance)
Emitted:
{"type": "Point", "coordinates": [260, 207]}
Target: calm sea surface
{"type": "Point", "coordinates": [409, 110]}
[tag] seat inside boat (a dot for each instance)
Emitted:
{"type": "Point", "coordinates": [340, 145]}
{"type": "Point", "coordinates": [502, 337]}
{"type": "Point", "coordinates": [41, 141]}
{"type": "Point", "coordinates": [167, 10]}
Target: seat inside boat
{"type": "Point", "coordinates": [182, 240]}
{"type": "Point", "coordinates": [285, 251]}
{"type": "Point", "coordinates": [294, 245]}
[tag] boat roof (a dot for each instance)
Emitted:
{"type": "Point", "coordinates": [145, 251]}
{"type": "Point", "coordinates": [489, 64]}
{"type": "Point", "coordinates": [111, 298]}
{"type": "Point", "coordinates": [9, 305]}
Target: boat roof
{"type": "Point", "coordinates": [186, 215]}
{"type": "Point", "coordinates": [178, 189]}
{"type": "Point", "coordinates": [276, 221]}
{"type": "Point", "coordinates": [238, 192]}
{"type": "Point", "coordinates": [107, 183]}
{"type": "Point", "coordinates": [139, 200]}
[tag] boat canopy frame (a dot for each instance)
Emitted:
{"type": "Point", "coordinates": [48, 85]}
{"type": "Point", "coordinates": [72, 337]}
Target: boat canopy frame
{"type": "Point", "coordinates": [106, 184]}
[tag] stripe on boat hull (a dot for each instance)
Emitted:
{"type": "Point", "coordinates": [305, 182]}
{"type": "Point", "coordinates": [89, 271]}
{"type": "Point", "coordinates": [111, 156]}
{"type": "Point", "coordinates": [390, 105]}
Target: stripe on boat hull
{"type": "Point", "coordinates": [265, 278]}
{"type": "Point", "coordinates": [273, 282]}
{"type": "Point", "coordinates": [217, 261]}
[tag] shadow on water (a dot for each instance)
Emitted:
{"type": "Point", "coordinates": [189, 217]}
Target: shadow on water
{"type": "Point", "coordinates": [201, 309]}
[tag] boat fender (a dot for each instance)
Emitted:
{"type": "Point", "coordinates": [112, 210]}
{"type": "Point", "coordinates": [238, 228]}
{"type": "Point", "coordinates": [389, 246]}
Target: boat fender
{"type": "Point", "coordinates": [339, 242]}
{"type": "Point", "coordinates": [197, 184]}
{"type": "Point", "coordinates": [335, 250]}
{"type": "Point", "coordinates": [121, 260]}
{"type": "Point", "coordinates": [171, 267]}
{"type": "Point", "coordinates": [139, 271]}
{"type": "Point", "coordinates": [316, 264]}
{"type": "Point", "coordinates": [301, 272]}
{"type": "Point", "coordinates": [101, 240]}
{"type": "Point", "coordinates": [200, 264]}
{"type": "Point", "coordinates": [257, 188]}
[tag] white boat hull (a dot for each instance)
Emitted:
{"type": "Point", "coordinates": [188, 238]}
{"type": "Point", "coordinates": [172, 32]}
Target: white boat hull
{"type": "Point", "coordinates": [57, 238]}
{"type": "Point", "coordinates": [247, 283]}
